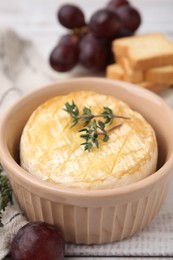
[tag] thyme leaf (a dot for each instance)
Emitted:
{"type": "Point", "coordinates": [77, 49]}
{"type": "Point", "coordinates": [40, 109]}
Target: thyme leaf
{"type": "Point", "coordinates": [92, 128]}
{"type": "Point", "coordinates": [5, 193]}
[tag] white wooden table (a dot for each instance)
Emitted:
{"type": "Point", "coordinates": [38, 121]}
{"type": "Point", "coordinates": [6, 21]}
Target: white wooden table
{"type": "Point", "coordinates": [36, 20]}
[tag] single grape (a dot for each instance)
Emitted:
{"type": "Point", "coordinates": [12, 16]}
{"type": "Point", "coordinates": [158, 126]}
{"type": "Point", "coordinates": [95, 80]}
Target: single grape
{"type": "Point", "coordinates": [114, 4]}
{"type": "Point", "coordinates": [66, 54]}
{"type": "Point", "coordinates": [38, 240]}
{"type": "Point", "coordinates": [93, 53]}
{"type": "Point", "coordinates": [71, 16]}
{"type": "Point", "coordinates": [130, 17]}
{"type": "Point", "coordinates": [105, 24]}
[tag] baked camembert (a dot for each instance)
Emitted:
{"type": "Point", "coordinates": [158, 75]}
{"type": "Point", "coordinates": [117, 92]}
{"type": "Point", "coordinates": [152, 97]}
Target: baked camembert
{"type": "Point", "coordinates": [51, 149]}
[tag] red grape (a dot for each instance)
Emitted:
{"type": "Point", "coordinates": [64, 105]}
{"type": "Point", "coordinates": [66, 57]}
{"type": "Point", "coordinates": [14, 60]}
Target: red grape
{"type": "Point", "coordinates": [105, 24]}
{"type": "Point", "coordinates": [66, 54]}
{"type": "Point", "coordinates": [113, 4]}
{"type": "Point", "coordinates": [130, 17]}
{"type": "Point", "coordinates": [93, 53]}
{"type": "Point", "coordinates": [90, 44]}
{"type": "Point", "coordinates": [38, 240]}
{"type": "Point", "coordinates": [71, 16]}
{"type": "Point", "coordinates": [69, 39]}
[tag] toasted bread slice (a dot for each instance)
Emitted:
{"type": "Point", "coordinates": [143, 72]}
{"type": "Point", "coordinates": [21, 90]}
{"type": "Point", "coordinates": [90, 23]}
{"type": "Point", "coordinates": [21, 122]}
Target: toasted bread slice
{"type": "Point", "coordinates": [115, 71]}
{"type": "Point", "coordinates": [150, 54]}
{"type": "Point", "coordinates": [145, 51]}
{"type": "Point", "coordinates": [160, 75]}
{"type": "Point", "coordinates": [131, 75]}
{"type": "Point", "coordinates": [153, 86]}
{"type": "Point", "coordinates": [120, 46]}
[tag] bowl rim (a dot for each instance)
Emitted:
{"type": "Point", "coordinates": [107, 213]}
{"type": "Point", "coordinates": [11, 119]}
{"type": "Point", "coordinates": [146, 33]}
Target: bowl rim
{"type": "Point", "coordinates": [25, 176]}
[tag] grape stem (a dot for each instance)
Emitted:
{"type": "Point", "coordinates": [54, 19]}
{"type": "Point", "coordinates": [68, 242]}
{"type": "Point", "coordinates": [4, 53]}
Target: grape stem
{"type": "Point", "coordinates": [81, 31]}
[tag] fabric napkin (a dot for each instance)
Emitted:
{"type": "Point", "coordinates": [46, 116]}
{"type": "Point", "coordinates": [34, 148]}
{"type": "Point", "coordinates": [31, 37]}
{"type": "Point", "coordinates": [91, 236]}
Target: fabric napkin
{"type": "Point", "coordinates": [23, 69]}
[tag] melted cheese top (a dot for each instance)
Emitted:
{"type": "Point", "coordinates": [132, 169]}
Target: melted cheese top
{"type": "Point", "coordinates": [52, 150]}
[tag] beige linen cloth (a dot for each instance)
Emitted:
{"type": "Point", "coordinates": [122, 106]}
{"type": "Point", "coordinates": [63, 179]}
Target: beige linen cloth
{"type": "Point", "coordinates": [23, 69]}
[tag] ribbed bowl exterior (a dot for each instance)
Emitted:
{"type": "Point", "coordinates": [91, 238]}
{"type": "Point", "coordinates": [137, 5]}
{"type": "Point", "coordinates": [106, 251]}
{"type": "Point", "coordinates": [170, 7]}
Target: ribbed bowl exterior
{"type": "Point", "coordinates": [90, 217]}
{"type": "Point", "coordinates": [94, 225]}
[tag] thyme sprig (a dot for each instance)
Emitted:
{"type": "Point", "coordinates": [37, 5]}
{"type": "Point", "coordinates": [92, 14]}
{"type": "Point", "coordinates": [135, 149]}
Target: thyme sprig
{"type": "Point", "coordinates": [92, 128]}
{"type": "Point", "coordinates": [5, 193]}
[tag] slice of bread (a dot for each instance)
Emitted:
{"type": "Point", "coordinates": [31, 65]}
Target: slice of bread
{"type": "Point", "coordinates": [114, 71]}
{"type": "Point", "coordinates": [153, 86]}
{"type": "Point", "coordinates": [150, 54]}
{"type": "Point", "coordinates": [120, 46]}
{"type": "Point", "coordinates": [130, 75]}
{"type": "Point", "coordinates": [146, 60]}
{"type": "Point", "coordinates": [160, 75]}
{"type": "Point", "coordinates": [145, 51]}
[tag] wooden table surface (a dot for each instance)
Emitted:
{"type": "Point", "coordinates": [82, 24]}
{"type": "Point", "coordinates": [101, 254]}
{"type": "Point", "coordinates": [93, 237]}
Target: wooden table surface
{"type": "Point", "coordinates": [36, 21]}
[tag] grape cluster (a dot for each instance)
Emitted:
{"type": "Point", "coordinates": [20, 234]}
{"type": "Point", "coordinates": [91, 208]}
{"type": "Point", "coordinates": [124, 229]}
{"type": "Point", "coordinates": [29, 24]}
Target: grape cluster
{"type": "Point", "coordinates": [90, 43]}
